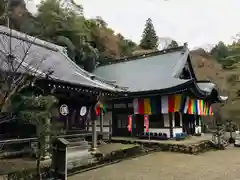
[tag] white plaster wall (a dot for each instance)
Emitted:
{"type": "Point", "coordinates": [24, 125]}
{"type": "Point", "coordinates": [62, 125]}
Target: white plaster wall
{"type": "Point", "coordinates": [167, 131]}
{"type": "Point", "coordinates": [159, 130]}
{"type": "Point", "coordinates": [227, 135]}
{"type": "Point", "coordinates": [107, 116]}
{"type": "Point", "coordinates": [198, 129]}
{"type": "Point", "coordinates": [177, 130]}
{"type": "Point", "coordinates": [166, 120]}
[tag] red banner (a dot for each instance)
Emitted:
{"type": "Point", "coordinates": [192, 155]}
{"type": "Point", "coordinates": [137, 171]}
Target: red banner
{"type": "Point", "coordinates": [98, 110]}
{"type": "Point", "coordinates": [146, 122]}
{"type": "Point", "coordinates": [130, 123]}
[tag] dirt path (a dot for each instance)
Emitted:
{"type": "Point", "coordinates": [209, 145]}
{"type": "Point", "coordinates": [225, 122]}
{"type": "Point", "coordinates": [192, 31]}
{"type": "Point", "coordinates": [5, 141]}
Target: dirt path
{"type": "Point", "coordinates": [215, 165]}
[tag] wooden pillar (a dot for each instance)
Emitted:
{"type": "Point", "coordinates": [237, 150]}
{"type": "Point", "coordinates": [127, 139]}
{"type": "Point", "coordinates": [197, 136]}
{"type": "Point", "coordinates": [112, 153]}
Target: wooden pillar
{"type": "Point", "coordinates": [110, 129]}
{"type": "Point", "coordinates": [173, 120]}
{"type": "Point", "coordinates": [111, 123]}
{"type": "Point", "coordinates": [94, 135]}
{"type": "Point", "coordinates": [181, 119]}
{"type": "Point", "coordinates": [171, 124]}
{"type": "Point", "coordinates": [67, 123]}
{"type": "Point", "coordinates": [87, 124]}
{"type": "Point", "coordinates": [101, 121]}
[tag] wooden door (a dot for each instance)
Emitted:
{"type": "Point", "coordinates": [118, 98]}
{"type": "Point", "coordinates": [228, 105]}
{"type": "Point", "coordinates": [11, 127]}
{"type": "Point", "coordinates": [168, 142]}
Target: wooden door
{"type": "Point", "coordinates": [139, 121]}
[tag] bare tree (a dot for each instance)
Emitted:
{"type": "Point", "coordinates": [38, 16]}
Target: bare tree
{"type": "Point", "coordinates": [20, 64]}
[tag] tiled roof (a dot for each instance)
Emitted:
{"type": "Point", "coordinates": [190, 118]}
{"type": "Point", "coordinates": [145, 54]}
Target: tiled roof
{"type": "Point", "coordinates": [45, 57]}
{"type": "Point", "coordinates": [155, 71]}
{"type": "Point", "coordinates": [208, 87]}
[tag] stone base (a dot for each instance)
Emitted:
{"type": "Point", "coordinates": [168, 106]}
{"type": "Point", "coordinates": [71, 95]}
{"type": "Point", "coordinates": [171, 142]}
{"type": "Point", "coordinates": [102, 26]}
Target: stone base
{"type": "Point", "coordinates": [47, 157]}
{"type": "Point", "coordinates": [93, 150]}
{"type": "Point", "coordinates": [181, 148]}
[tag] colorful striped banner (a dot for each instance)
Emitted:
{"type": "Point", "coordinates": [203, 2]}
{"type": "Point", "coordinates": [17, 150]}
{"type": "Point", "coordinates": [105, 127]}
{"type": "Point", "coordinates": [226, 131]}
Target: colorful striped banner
{"type": "Point", "coordinates": [141, 106]}
{"type": "Point", "coordinates": [173, 103]}
{"type": "Point", "coordinates": [211, 111]}
{"type": "Point", "coordinates": [164, 105]}
{"type": "Point", "coordinates": [198, 107]}
{"type": "Point", "coordinates": [186, 105]}
{"type": "Point", "coordinates": [147, 106]}
{"type": "Point", "coordinates": [191, 106]}
{"type": "Point", "coordinates": [153, 106]}
{"type": "Point", "coordinates": [205, 109]}
{"type": "Point", "coordinates": [103, 107]}
{"type": "Point", "coordinates": [135, 106]}
{"type": "Point", "coordinates": [178, 100]}
{"type": "Point", "coordinates": [201, 107]}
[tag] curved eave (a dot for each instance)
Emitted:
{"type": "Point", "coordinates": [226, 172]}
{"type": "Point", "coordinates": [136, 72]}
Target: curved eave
{"type": "Point", "coordinates": [211, 94]}
{"type": "Point", "coordinates": [167, 91]}
{"type": "Point", "coordinates": [59, 84]}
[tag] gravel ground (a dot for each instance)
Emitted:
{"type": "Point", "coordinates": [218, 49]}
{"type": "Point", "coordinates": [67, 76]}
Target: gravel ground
{"type": "Point", "coordinates": [214, 165]}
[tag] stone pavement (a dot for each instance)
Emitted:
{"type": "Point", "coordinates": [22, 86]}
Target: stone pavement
{"type": "Point", "coordinates": [189, 140]}
{"type": "Point", "coordinates": [213, 165]}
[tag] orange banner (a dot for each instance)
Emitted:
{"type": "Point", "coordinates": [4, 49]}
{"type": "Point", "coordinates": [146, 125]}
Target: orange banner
{"type": "Point", "coordinates": [130, 123]}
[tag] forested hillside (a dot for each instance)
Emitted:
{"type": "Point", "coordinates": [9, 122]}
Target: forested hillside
{"type": "Point", "coordinates": [221, 66]}
{"type": "Point", "coordinates": [91, 40]}
{"type": "Point", "coordinates": [63, 22]}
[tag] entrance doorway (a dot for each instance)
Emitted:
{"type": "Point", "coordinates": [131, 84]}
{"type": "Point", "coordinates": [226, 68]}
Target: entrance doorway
{"type": "Point", "coordinates": [139, 121]}
{"type": "Point", "coordinates": [188, 124]}
{"type": "Point", "coordinates": [120, 125]}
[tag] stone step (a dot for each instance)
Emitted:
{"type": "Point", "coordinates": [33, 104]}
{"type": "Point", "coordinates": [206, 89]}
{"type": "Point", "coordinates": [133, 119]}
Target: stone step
{"type": "Point", "coordinates": [76, 139]}
{"type": "Point", "coordinates": [80, 158]}
{"type": "Point", "coordinates": [78, 144]}
{"type": "Point", "coordinates": [224, 143]}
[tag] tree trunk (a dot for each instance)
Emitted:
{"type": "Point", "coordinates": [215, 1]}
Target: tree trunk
{"type": "Point", "coordinates": [39, 176]}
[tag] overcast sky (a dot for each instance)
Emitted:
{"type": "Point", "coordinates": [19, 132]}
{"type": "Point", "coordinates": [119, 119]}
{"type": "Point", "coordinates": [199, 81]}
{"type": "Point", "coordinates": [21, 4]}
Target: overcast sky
{"type": "Point", "coordinates": [197, 22]}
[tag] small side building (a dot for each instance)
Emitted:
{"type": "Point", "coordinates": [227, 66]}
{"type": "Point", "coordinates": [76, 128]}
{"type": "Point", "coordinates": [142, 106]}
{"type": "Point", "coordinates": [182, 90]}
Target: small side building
{"type": "Point", "coordinates": [163, 86]}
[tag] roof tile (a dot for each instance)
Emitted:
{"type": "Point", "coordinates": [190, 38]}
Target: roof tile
{"type": "Point", "coordinates": [147, 73]}
{"type": "Point", "coordinates": [45, 57]}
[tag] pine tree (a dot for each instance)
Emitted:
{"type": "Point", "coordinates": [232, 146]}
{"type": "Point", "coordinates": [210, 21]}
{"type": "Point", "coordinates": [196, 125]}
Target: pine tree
{"type": "Point", "coordinates": [173, 44]}
{"type": "Point", "coordinates": [149, 36]}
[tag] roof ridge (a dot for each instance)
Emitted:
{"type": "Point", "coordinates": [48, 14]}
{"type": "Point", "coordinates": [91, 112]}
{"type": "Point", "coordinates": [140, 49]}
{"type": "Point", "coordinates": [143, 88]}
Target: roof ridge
{"type": "Point", "coordinates": [31, 39]}
{"type": "Point", "coordinates": [87, 74]}
{"type": "Point", "coordinates": [137, 57]}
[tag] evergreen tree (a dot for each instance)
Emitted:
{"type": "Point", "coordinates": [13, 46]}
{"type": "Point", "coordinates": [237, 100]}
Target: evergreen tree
{"type": "Point", "coordinates": [173, 44]}
{"type": "Point", "coordinates": [149, 36]}
{"type": "Point", "coordinates": [220, 51]}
